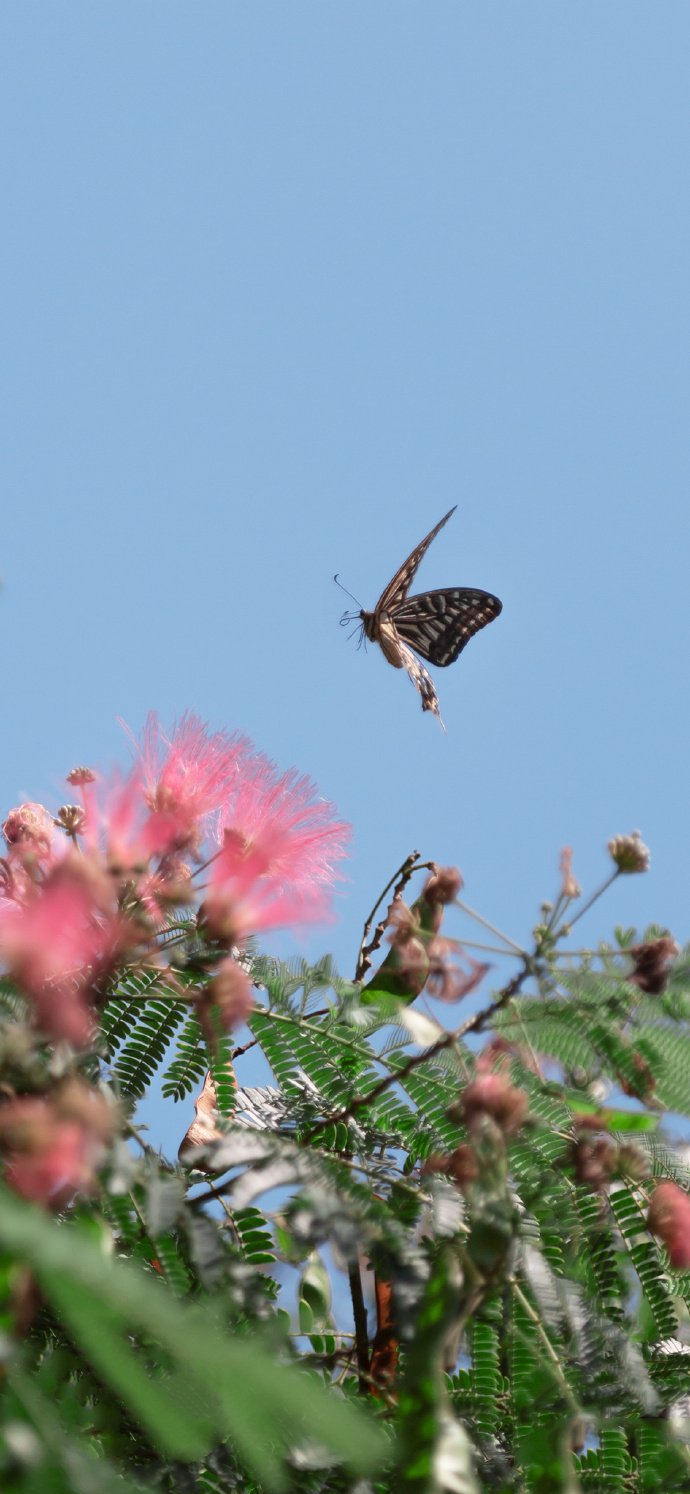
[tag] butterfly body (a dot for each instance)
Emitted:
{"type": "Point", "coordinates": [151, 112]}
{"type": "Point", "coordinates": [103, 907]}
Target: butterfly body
{"type": "Point", "coordinates": [381, 629]}
{"type": "Point", "coordinates": [435, 624]}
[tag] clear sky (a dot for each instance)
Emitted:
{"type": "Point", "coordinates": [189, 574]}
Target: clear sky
{"type": "Point", "coordinates": [281, 284]}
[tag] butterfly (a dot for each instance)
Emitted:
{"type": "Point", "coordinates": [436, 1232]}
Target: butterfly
{"type": "Point", "coordinates": [435, 624]}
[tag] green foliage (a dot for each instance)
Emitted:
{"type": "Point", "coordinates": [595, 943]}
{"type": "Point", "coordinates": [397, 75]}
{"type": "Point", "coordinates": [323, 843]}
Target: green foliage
{"type": "Point", "coordinates": [208, 1383]}
{"type": "Point", "coordinates": [214, 1327]}
{"type": "Point", "coordinates": [189, 1064]}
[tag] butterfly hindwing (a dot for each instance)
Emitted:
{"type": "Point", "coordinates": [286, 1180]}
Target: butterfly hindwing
{"type": "Point", "coordinates": [438, 624]}
{"type": "Point", "coordinates": [421, 679]}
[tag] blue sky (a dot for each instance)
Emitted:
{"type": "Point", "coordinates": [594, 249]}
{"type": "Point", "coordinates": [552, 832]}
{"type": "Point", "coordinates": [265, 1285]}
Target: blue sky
{"type": "Point", "coordinates": [282, 283]}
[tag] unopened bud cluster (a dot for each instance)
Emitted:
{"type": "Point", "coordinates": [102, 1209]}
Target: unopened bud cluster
{"type": "Point", "coordinates": [71, 818]}
{"type": "Point", "coordinates": [629, 852]}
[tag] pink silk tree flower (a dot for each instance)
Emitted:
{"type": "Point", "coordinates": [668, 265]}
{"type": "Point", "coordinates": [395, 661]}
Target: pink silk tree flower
{"type": "Point", "coordinates": [188, 774]}
{"type": "Point", "coordinates": [279, 820]}
{"type": "Point", "coordinates": [162, 806]}
{"type": "Point", "coordinates": [34, 843]}
{"type": "Point", "coordinates": [58, 942]}
{"type": "Point", "coordinates": [120, 824]}
{"type": "Point", "coordinates": [279, 850]}
{"type": "Point", "coordinates": [53, 1144]}
{"type": "Point", "coordinates": [30, 825]}
{"type": "Point", "coordinates": [55, 1173]}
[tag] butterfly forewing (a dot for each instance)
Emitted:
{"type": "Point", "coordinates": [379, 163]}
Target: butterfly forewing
{"type": "Point", "coordinates": [438, 624]}
{"type": "Point", "coordinates": [397, 589]}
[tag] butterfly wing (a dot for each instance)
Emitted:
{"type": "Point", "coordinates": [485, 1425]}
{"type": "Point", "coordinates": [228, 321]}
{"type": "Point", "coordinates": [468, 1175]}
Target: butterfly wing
{"type": "Point", "coordinates": [420, 677]}
{"type": "Point", "coordinates": [438, 624]}
{"type": "Point", "coordinates": [397, 589]}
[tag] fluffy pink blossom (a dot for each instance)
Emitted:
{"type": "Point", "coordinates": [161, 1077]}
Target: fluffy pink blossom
{"type": "Point", "coordinates": [33, 844]}
{"type": "Point", "coordinates": [190, 773]}
{"type": "Point", "coordinates": [29, 824]}
{"type": "Point", "coordinates": [54, 1174]}
{"type": "Point", "coordinates": [52, 1145]}
{"type": "Point", "coordinates": [161, 806]}
{"type": "Point", "coordinates": [120, 823]}
{"type": "Point", "coordinates": [59, 940]}
{"type": "Point", "coordinates": [118, 820]}
{"type": "Point", "coordinates": [279, 850]}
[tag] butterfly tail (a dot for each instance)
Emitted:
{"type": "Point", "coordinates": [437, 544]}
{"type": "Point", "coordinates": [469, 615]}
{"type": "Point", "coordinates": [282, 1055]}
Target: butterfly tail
{"type": "Point", "coordinates": [422, 681]}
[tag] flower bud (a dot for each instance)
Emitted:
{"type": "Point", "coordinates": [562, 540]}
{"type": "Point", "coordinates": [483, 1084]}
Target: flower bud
{"type": "Point", "coordinates": [230, 991]}
{"type": "Point", "coordinates": [643, 1087]}
{"type": "Point", "coordinates": [495, 1096]}
{"type": "Point", "coordinates": [460, 1166]}
{"type": "Point", "coordinates": [570, 887]}
{"type": "Point", "coordinates": [80, 776]}
{"type": "Point", "coordinates": [71, 818]}
{"type": "Point", "coordinates": [629, 852]}
{"type": "Point", "coordinates": [594, 1160]}
{"type": "Point", "coordinates": [217, 919]}
{"type": "Point", "coordinates": [633, 1162]}
{"type": "Point", "coordinates": [52, 1145]}
{"type": "Point", "coordinates": [443, 885]}
{"type": "Point", "coordinates": [669, 1220]}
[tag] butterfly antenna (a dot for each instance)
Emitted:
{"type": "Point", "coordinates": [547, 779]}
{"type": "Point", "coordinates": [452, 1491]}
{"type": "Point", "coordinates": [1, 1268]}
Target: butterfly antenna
{"type": "Point", "coordinates": [347, 593]}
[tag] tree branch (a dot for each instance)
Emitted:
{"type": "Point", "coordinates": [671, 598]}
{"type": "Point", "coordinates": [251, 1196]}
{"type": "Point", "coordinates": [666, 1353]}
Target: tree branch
{"type": "Point", "coordinates": [447, 1040]}
{"type": "Point", "coordinates": [359, 1314]}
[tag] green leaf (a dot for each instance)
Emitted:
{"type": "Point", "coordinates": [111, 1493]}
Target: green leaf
{"type": "Point", "coordinates": [58, 1462]}
{"type": "Point", "coordinates": [216, 1386]}
{"type": "Point", "coordinates": [615, 1120]}
{"type": "Point", "coordinates": [314, 1296]}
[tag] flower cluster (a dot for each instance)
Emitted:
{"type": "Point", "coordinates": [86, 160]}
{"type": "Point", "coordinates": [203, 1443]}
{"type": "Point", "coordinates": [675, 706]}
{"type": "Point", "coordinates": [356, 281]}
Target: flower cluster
{"type": "Point", "coordinates": [54, 1143]}
{"type": "Point", "coordinates": [629, 853]}
{"type": "Point", "coordinates": [425, 958]}
{"type": "Point", "coordinates": [201, 822]}
{"type": "Point", "coordinates": [201, 816]}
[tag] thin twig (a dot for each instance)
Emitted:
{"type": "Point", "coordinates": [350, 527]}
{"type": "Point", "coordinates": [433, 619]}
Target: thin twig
{"type": "Point", "coordinates": [480, 1019]}
{"type": "Point", "coordinates": [398, 882]}
{"type": "Point", "coordinates": [550, 1351]}
{"type": "Point", "coordinates": [485, 948]}
{"type": "Point", "coordinates": [218, 1196]}
{"type": "Point", "coordinates": [359, 1314]}
{"type": "Point", "coordinates": [393, 1077]}
{"type": "Point", "coordinates": [595, 895]}
{"type": "Point", "coordinates": [479, 918]}
{"type": "Point", "coordinates": [146, 1147]}
{"type": "Point", "coordinates": [558, 907]}
{"type": "Point", "coordinates": [446, 1040]}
